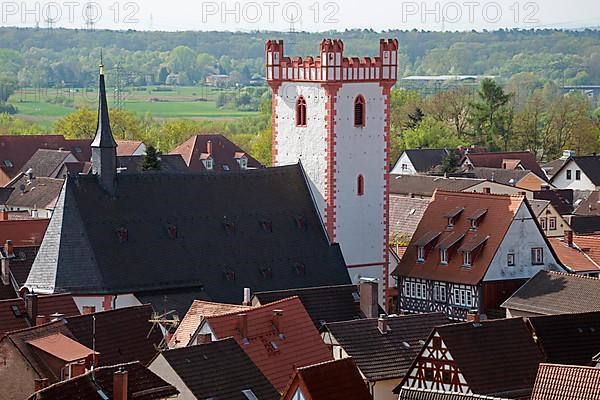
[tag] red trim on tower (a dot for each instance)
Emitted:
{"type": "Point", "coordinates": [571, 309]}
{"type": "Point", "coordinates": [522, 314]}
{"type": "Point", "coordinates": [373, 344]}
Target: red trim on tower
{"type": "Point", "coordinates": [275, 90]}
{"type": "Point", "coordinates": [330, 159]}
{"type": "Point", "coordinates": [386, 88]}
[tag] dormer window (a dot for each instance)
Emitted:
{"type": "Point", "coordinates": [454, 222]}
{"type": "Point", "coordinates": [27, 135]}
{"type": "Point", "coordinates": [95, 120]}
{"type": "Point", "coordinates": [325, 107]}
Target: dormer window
{"type": "Point", "coordinates": [452, 215]}
{"type": "Point", "coordinates": [243, 162]}
{"type": "Point", "coordinates": [444, 256]}
{"type": "Point", "coordinates": [476, 218]}
{"type": "Point", "coordinates": [359, 112]}
{"type": "Point", "coordinates": [467, 259]}
{"type": "Point", "coordinates": [8, 164]}
{"type": "Point", "coordinates": [208, 163]}
{"type": "Point", "coordinates": [301, 112]}
{"type": "Point", "coordinates": [421, 254]}
{"type": "Point", "coordinates": [450, 222]}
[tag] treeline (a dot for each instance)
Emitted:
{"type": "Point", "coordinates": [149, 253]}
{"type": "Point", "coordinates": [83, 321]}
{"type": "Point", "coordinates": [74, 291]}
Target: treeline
{"type": "Point", "coordinates": [539, 118]}
{"type": "Point", "coordinates": [70, 57]}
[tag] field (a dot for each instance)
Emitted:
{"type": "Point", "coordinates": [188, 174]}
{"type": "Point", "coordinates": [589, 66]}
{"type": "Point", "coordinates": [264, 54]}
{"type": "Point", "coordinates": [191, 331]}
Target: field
{"type": "Point", "coordinates": [44, 106]}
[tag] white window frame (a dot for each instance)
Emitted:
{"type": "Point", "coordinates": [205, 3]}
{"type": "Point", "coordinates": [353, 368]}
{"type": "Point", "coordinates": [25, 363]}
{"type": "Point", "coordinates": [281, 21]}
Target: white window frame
{"type": "Point", "coordinates": [467, 259]}
{"type": "Point", "coordinates": [510, 259]}
{"type": "Point", "coordinates": [420, 254]}
{"type": "Point", "coordinates": [543, 223]}
{"type": "Point", "coordinates": [243, 161]}
{"type": "Point", "coordinates": [552, 223]}
{"type": "Point", "coordinates": [444, 256]}
{"type": "Point", "coordinates": [537, 256]}
{"type": "Point", "coordinates": [208, 163]}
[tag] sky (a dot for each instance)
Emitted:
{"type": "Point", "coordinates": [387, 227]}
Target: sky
{"type": "Point", "coordinates": [307, 15]}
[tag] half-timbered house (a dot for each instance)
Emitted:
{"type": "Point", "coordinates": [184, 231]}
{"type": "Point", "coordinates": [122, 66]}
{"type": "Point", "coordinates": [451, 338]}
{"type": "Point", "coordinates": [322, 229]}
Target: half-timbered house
{"type": "Point", "coordinates": [470, 252]}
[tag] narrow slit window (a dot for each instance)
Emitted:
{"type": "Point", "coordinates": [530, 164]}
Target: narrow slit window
{"type": "Point", "coordinates": [359, 111]}
{"type": "Point", "coordinates": [301, 111]}
{"type": "Point", "coordinates": [360, 185]}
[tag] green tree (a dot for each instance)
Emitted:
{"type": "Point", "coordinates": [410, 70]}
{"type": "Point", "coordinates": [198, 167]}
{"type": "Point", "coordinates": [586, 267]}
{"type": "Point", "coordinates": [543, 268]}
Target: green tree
{"type": "Point", "coordinates": [151, 161]}
{"type": "Point", "coordinates": [431, 134]}
{"type": "Point", "coordinates": [262, 147]}
{"type": "Point", "coordinates": [490, 115]}
{"type": "Point", "coordinates": [449, 163]}
{"type": "Point", "coordinates": [82, 124]}
{"type": "Point", "coordinates": [181, 59]}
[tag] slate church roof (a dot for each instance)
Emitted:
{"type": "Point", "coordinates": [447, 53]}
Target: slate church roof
{"type": "Point", "coordinates": [220, 232]}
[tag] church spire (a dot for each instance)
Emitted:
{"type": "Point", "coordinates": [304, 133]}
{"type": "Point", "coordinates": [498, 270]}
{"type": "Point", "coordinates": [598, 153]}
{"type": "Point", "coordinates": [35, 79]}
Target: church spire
{"type": "Point", "coordinates": [104, 147]}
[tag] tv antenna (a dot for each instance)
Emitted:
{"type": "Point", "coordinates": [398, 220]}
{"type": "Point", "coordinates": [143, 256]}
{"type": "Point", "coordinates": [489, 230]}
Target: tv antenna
{"type": "Point", "coordinates": [90, 24]}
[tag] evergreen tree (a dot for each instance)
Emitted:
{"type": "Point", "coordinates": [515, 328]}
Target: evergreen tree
{"type": "Point", "coordinates": [415, 118]}
{"type": "Point", "coordinates": [450, 163]}
{"type": "Point", "coordinates": [151, 160]}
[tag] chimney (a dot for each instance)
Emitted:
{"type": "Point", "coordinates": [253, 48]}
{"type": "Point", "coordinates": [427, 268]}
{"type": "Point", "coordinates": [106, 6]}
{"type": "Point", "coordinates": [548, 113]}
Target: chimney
{"type": "Point", "coordinates": [278, 320]}
{"type": "Point", "coordinates": [243, 325]}
{"type": "Point", "coordinates": [204, 338]}
{"type": "Point", "coordinates": [247, 301]}
{"type": "Point", "coordinates": [9, 253]}
{"type": "Point", "coordinates": [88, 310]}
{"type": "Point", "coordinates": [4, 216]}
{"type": "Point", "coordinates": [368, 298]}
{"type": "Point", "coordinates": [209, 147]}
{"type": "Point", "coordinates": [120, 385]}
{"type": "Point", "coordinates": [382, 324]}
{"type": "Point", "coordinates": [569, 238]}
{"type": "Point", "coordinates": [40, 384]}
{"type": "Point", "coordinates": [473, 316]}
{"type": "Point", "coordinates": [31, 304]}
{"type": "Point", "coordinates": [40, 320]}
{"type": "Point", "coordinates": [77, 369]}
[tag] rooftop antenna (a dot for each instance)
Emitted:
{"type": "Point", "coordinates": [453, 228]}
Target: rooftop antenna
{"type": "Point", "coordinates": [93, 367]}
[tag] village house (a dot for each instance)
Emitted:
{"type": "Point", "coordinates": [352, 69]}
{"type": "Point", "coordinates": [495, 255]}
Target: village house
{"type": "Point", "coordinates": [514, 177]}
{"type": "Point", "coordinates": [551, 222]}
{"type": "Point", "coordinates": [213, 370]}
{"type": "Point", "coordinates": [451, 360]}
{"type": "Point", "coordinates": [277, 337]}
{"type": "Point", "coordinates": [217, 243]}
{"type": "Point", "coordinates": [551, 167]}
{"type": "Point", "coordinates": [66, 347]}
{"type": "Point", "coordinates": [549, 293]}
{"type": "Point", "coordinates": [513, 160]}
{"type": "Point", "coordinates": [419, 161]}
{"type": "Point", "coordinates": [578, 173]}
{"type": "Point", "coordinates": [331, 380]}
{"type": "Point", "coordinates": [214, 153]}
{"type": "Point", "coordinates": [128, 381]}
{"type": "Point", "coordinates": [35, 195]}
{"type": "Point", "coordinates": [382, 348]}
{"type": "Point", "coordinates": [571, 382]}
{"type": "Point", "coordinates": [470, 252]}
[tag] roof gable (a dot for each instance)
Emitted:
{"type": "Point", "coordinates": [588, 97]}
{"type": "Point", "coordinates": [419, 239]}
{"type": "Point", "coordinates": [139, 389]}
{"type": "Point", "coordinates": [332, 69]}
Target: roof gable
{"type": "Point", "coordinates": [490, 232]}
{"type": "Point", "coordinates": [425, 160]}
{"type": "Point", "coordinates": [496, 160]}
{"type": "Point", "coordinates": [275, 351]}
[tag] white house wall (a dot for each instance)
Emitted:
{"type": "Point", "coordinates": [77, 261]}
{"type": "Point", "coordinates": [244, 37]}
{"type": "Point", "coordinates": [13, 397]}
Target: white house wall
{"type": "Point", "coordinates": [522, 235]}
{"type": "Point", "coordinates": [404, 160]}
{"type": "Point", "coordinates": [122, 301]}
{"type": "Point", "coordinates": [560, 180]}
{"type": "Point", "coordinates": [163, 369]}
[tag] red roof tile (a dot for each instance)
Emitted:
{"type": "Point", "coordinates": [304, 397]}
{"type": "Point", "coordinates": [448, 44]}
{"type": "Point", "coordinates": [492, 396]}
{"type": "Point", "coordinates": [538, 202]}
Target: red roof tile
{"type": "Point", "coordinates": [590, 245]}
{"type": "Point", "coordinates": [566, 382]}
{"type": "Point", "coordinates": [490, 232]}
{"type": "Point", "coordinates": [275, 355]}
{"type": "Point", "coordinates": [127, 147]}
{"type": "Point", "coordinates": [495, 160]}
{"type": "Point", "coordinates": [62, 347]}
{"type": "Point", "coordinates": [223, 153]}
{"type": "Point", "coordinates": [23, 232]}
{"type": "Point", "coordinates": [572, 257]}
{"type": "Point", "coordinates": [12, 315]}
{"type": "Point", "coordinates": [331, 380]}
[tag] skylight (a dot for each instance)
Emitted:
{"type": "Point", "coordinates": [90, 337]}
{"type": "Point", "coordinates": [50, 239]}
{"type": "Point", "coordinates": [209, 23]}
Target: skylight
{"type": "Point", "coordinates": [249, 394]}
{"type": "Point", "coordinates": [8, 163]}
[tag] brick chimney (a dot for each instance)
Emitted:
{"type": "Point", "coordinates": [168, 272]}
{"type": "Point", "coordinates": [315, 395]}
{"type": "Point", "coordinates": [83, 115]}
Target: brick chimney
{"type": "Point", "coordinates": [31, 304]}
{"type": "Point", "coordinates": [88, 310]}
{"type": "Point", "coordinates": [209, 147]}
{"type": "Point", "coordinates": [278, 320]}
{"type": "Point", "coordinates": [382, 324]}
{"type": "Point", "coordinates": [9, 252]}
{"type": "Point", "coordinates": [204, 338]}
{"type": "Point", "coordinates": [4, 215]}
{"type": "Point", "coordinates": [473, 316]}
{"type": "Point", "coordinates": [40, 320]}
{"type": "Point", "coordinates": [120, 385]}
{"type": "Point", "coordinates": [39, 384]}
{"type": "Point", "coordinates": [368, 298]}
{"type": "Point", "coordinates": [569, 238]}
{"type": "Point", "coordinates": [243, 325]}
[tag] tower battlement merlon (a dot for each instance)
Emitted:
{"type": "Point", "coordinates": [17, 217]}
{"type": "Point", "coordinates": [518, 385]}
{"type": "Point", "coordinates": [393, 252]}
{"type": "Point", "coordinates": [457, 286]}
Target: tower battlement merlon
{"type": "Point", "coordinates": [331, 65]}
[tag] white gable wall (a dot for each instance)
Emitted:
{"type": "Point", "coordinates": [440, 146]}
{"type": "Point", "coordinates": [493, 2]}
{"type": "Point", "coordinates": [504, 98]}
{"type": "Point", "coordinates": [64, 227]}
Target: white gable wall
{"type": "Point", "coordinates": [404, 161]}
{"type": "Point", "coordinates": [163, 369]}
{"type": "Point", "coordinates": [560, 180]}
{"type": "Point", "coordinates": [522, 235]}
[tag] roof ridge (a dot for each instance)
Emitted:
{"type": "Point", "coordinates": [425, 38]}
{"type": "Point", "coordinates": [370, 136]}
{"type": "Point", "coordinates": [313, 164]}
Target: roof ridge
{"type": "Point", "coordinates": [566, 366]}
{"type": "Point", "coordinates": [256, 308]}
{"type": "Point", "coordinates": [122, 309]}
{"type": "Point", "coordinates": [323, 363]}
{"type": "Point", "coordinates": [572, 275]}
{"type": "Point", "coordinates": [478, 194]}
{"type": "Point", "coordinates": [299, 289]}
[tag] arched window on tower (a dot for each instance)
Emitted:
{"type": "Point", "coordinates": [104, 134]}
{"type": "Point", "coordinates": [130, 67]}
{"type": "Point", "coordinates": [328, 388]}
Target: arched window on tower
{"type": "Point", "coordinates": [360, 185]}
{"type": "Point", "coordinates": [300, 111]}
{"type": "Point", "coordinates": [359, 111]}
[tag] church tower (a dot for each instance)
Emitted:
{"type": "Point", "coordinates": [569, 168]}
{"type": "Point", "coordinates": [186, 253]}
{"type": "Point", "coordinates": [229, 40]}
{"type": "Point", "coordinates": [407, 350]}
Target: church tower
{"type": "Point", "coordinates": [333, 114]}
{"type": "Point", "coordinates": [104, 147]}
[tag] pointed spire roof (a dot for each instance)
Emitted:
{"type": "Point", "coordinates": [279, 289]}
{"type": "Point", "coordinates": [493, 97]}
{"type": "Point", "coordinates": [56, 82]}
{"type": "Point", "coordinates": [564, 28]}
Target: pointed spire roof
{"type": "Point", "coordinates": [104, 136]}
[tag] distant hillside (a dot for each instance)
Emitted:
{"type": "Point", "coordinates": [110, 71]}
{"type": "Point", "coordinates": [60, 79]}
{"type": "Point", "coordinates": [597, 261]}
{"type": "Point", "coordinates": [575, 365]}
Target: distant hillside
{"type": "Point", "coordinates": [40, 57]}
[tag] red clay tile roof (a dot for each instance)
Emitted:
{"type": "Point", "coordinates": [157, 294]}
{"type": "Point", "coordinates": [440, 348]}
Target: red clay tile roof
{"type": "Point", "coordinates": [549, 293]}
{"type": "Point", "coordinates": [127, 147]}
{"type": "Point", "coordinates": [62, 347]}
{"type": "Point", "coordinates": [493, 226]}
{"type": "Point", "coordinates": [23, 233]}
{"type": "Point", "coordinates": [122, 335]}
{"type": "Point", "coordinates": [426, 394]}
{"type": "Point", "coordinates": [590, 245]}
{"type": "Point", "coordinates": [572, 257]}
{"type": "Point", "coordinates": [142, 384]}
{"type": "Point", "coordinates": [12, 315]}
{"type": "Point", "coordinates": [495, 160]}
{"type": "Point", "coordinates": [331, 380]}
{"type": "Point", "coordinates": [274, 354]}
{"type": "Point", "coordinates": [19, 149]}
{"type": "Point", "coordinates": [223, 153]}
{"type": "Point", "coordinates": [199, 310]}
{"type": "Point", "coordinates": [566, 382]}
